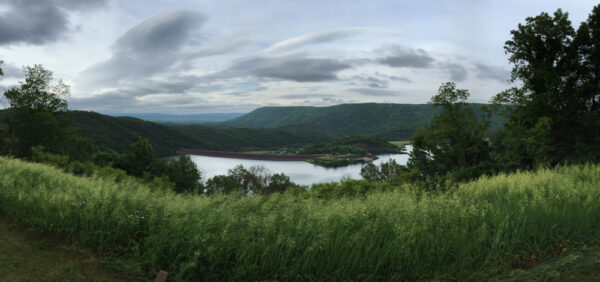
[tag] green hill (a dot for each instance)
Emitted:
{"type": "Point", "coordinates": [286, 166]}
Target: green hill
{"type": "Point", "coordinates": [389, 121]}
{"type": "Point", "coordinates": [116, 133]}
{"type": "Point", "coordinates": [243, 139]}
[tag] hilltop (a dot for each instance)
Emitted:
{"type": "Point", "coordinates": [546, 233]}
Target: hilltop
{"type": "Point", "coordinates": [388, 121]}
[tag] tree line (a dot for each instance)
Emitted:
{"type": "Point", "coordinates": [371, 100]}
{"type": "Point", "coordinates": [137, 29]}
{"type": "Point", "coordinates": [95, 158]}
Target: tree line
{"type": "Point", "coordinates": [552, 118]}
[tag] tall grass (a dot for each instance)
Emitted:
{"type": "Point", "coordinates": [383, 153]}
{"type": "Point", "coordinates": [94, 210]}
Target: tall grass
{"type": "Point", "coordinates": [492, 223]}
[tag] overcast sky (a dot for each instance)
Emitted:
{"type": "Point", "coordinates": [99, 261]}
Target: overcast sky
{"type": "Point", "coordinates": [196, 56]}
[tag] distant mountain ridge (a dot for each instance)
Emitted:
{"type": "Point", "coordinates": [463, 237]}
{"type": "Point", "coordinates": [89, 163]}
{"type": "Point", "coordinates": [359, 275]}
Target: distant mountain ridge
{"type": "Point", "coordinates": [181, 119]}
{"type": "Point", "coordinates": [388, 121]}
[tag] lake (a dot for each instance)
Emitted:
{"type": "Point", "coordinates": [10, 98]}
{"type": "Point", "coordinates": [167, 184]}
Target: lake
{"type": "Point", "coordinates": [299, 172]}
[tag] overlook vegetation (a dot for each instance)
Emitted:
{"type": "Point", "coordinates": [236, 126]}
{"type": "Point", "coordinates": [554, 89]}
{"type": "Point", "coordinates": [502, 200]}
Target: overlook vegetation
{"type": "Point", "coordinates": [350, 230]}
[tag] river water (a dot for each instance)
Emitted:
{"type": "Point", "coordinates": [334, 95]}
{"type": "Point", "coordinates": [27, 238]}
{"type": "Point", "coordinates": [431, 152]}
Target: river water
{"type": "Point", "coordinates": [299, 172]}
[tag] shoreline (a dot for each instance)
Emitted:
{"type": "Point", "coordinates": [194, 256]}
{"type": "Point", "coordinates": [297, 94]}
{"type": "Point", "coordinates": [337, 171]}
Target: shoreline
{"type": "Point", "coordinates": [246, 156]}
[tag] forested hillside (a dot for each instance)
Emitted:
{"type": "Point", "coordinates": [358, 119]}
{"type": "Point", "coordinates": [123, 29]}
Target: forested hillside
{"type": "Point", "coordinates": [116, 133]}
{"type": "Point", "coordinates": [389, 121]}
{"type": "Point", "coordinates": [240, 139]}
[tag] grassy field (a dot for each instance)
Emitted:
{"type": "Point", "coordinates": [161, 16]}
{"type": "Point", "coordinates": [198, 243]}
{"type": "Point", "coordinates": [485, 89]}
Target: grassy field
{"type": "Point", "coordinates": [28, 256]}
{"type": "Point", "coordinates": [485, 228]}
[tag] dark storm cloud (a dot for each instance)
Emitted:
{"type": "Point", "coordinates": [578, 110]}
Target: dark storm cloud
{"type": "Point", "coordinates": [492, 72]}
{"type": "Point", "coordinates": [402, 57]}
{"type": "Point", "coordinates": [39, 21]}
{"type": "Point", "coordinates": [375, 92]}
{"type": "Point", "coordinates": [144, 50]}
{"type": "Point", "coordinates": [457, 72]}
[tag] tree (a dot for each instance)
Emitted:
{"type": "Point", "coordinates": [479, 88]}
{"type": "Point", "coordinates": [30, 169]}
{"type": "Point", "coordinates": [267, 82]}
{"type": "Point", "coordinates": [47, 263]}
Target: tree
{"type": "Point", "coordinates": [382, 173]}
{"type": "Point", "coordinates": [554, 116]}
{"type": "Point", "coordinates": [1, 62]}
{"type": "Point", "coordinates": [255, 179]}
{"type": "Point", "coordinates": [222, 184]}
{"type": "Point", "coordinates": [185, 174]}
{"type": "Point", "coordinates": [454, 144]}
{"type": "Point", "coordinates": [31, 117]}
{"type": "Point", "coordinates": [138, 159]}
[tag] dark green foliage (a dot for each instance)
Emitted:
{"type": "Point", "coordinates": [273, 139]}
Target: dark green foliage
{"type": "Point", "coordinates": [248, 139]}
{"type": "Point", "coordinates": [223, 184]}
{"type": "Point", "coordinates": [32, 117]}
{"type": "Point", "coordinates": [185, 174]}
{"type": "Point", "coordinates": [278, 183]}
{"type": "Point", "coordinates": [36, 93]}
{"type": "Point", "coordinates": [336, 161]}
{"type": "Point", "coordinates": [347, 189]}
{"type": "Point", "coordinates": [555, 114]}
{"type": "Point", "coordinates": [357, 145]}
{"type": "Point", "coordinates": [386, 171]}
{"type": "Point", "coordinates": [182, 172]}
{"type": "Point", "coordinates": [255, 179]}
{"type": "Point", "coordinates": [38, 155]}
{"type": "Point", "coordinates": [386, 121]}
{"type": "Point", "coordinates": [332, 148]}
{"type": "Point", "coordinates": [116, 133]}
{"type": "Point", "coordinates": [454, 145]}
{"type": "Point", "coordinates": [138, 159]}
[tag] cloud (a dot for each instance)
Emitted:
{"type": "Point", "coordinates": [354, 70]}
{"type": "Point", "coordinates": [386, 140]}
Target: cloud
{"type": "Point", "coordinates": [402, 57]}
{"type": "Point", "coordinates": [11, 71]}
{"type": "Point", "coordinates": [39, 22]}
{"type": "Point", "coordinates": [117, 102]}
{"type": "Point", "coordinates": [457, 72]}
{"type": "Point", "coordinates": [163, 34]}
{"type": "Point", "coordinates": [395, 78]}
{"type": "Point", "coordinates": [144, 50]}
{"type": "Point", "coordinates": [295, 67]}
{"type": "Point", "coordinates": [307, 95]}
{"type": "Point", "coordinates": [303, 70]}
{"type": "Point", "coordinates": [228, 45]}
{"type": "Point", "coordinates": [492, 72]}
{"type": "Point", "coordinates": [375, 92]}
{"type": "Point", "coordinates": [371, 81]}
{"type": "Point", "coordinates": [325, 37]}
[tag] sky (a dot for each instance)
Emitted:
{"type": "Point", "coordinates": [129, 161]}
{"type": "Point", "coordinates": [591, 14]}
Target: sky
{"type": "Point", "coordinates": [194, 56]}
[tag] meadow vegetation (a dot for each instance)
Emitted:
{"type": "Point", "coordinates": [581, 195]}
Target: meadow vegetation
{"type": "Point", "coordinates": [349, 230]}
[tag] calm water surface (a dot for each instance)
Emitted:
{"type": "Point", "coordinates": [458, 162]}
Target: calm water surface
{"type": "Point", "coordinates": [299, 172]}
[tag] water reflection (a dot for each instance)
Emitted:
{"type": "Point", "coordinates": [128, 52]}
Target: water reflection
{"type": "Point", "coordinates": [299, 172]}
